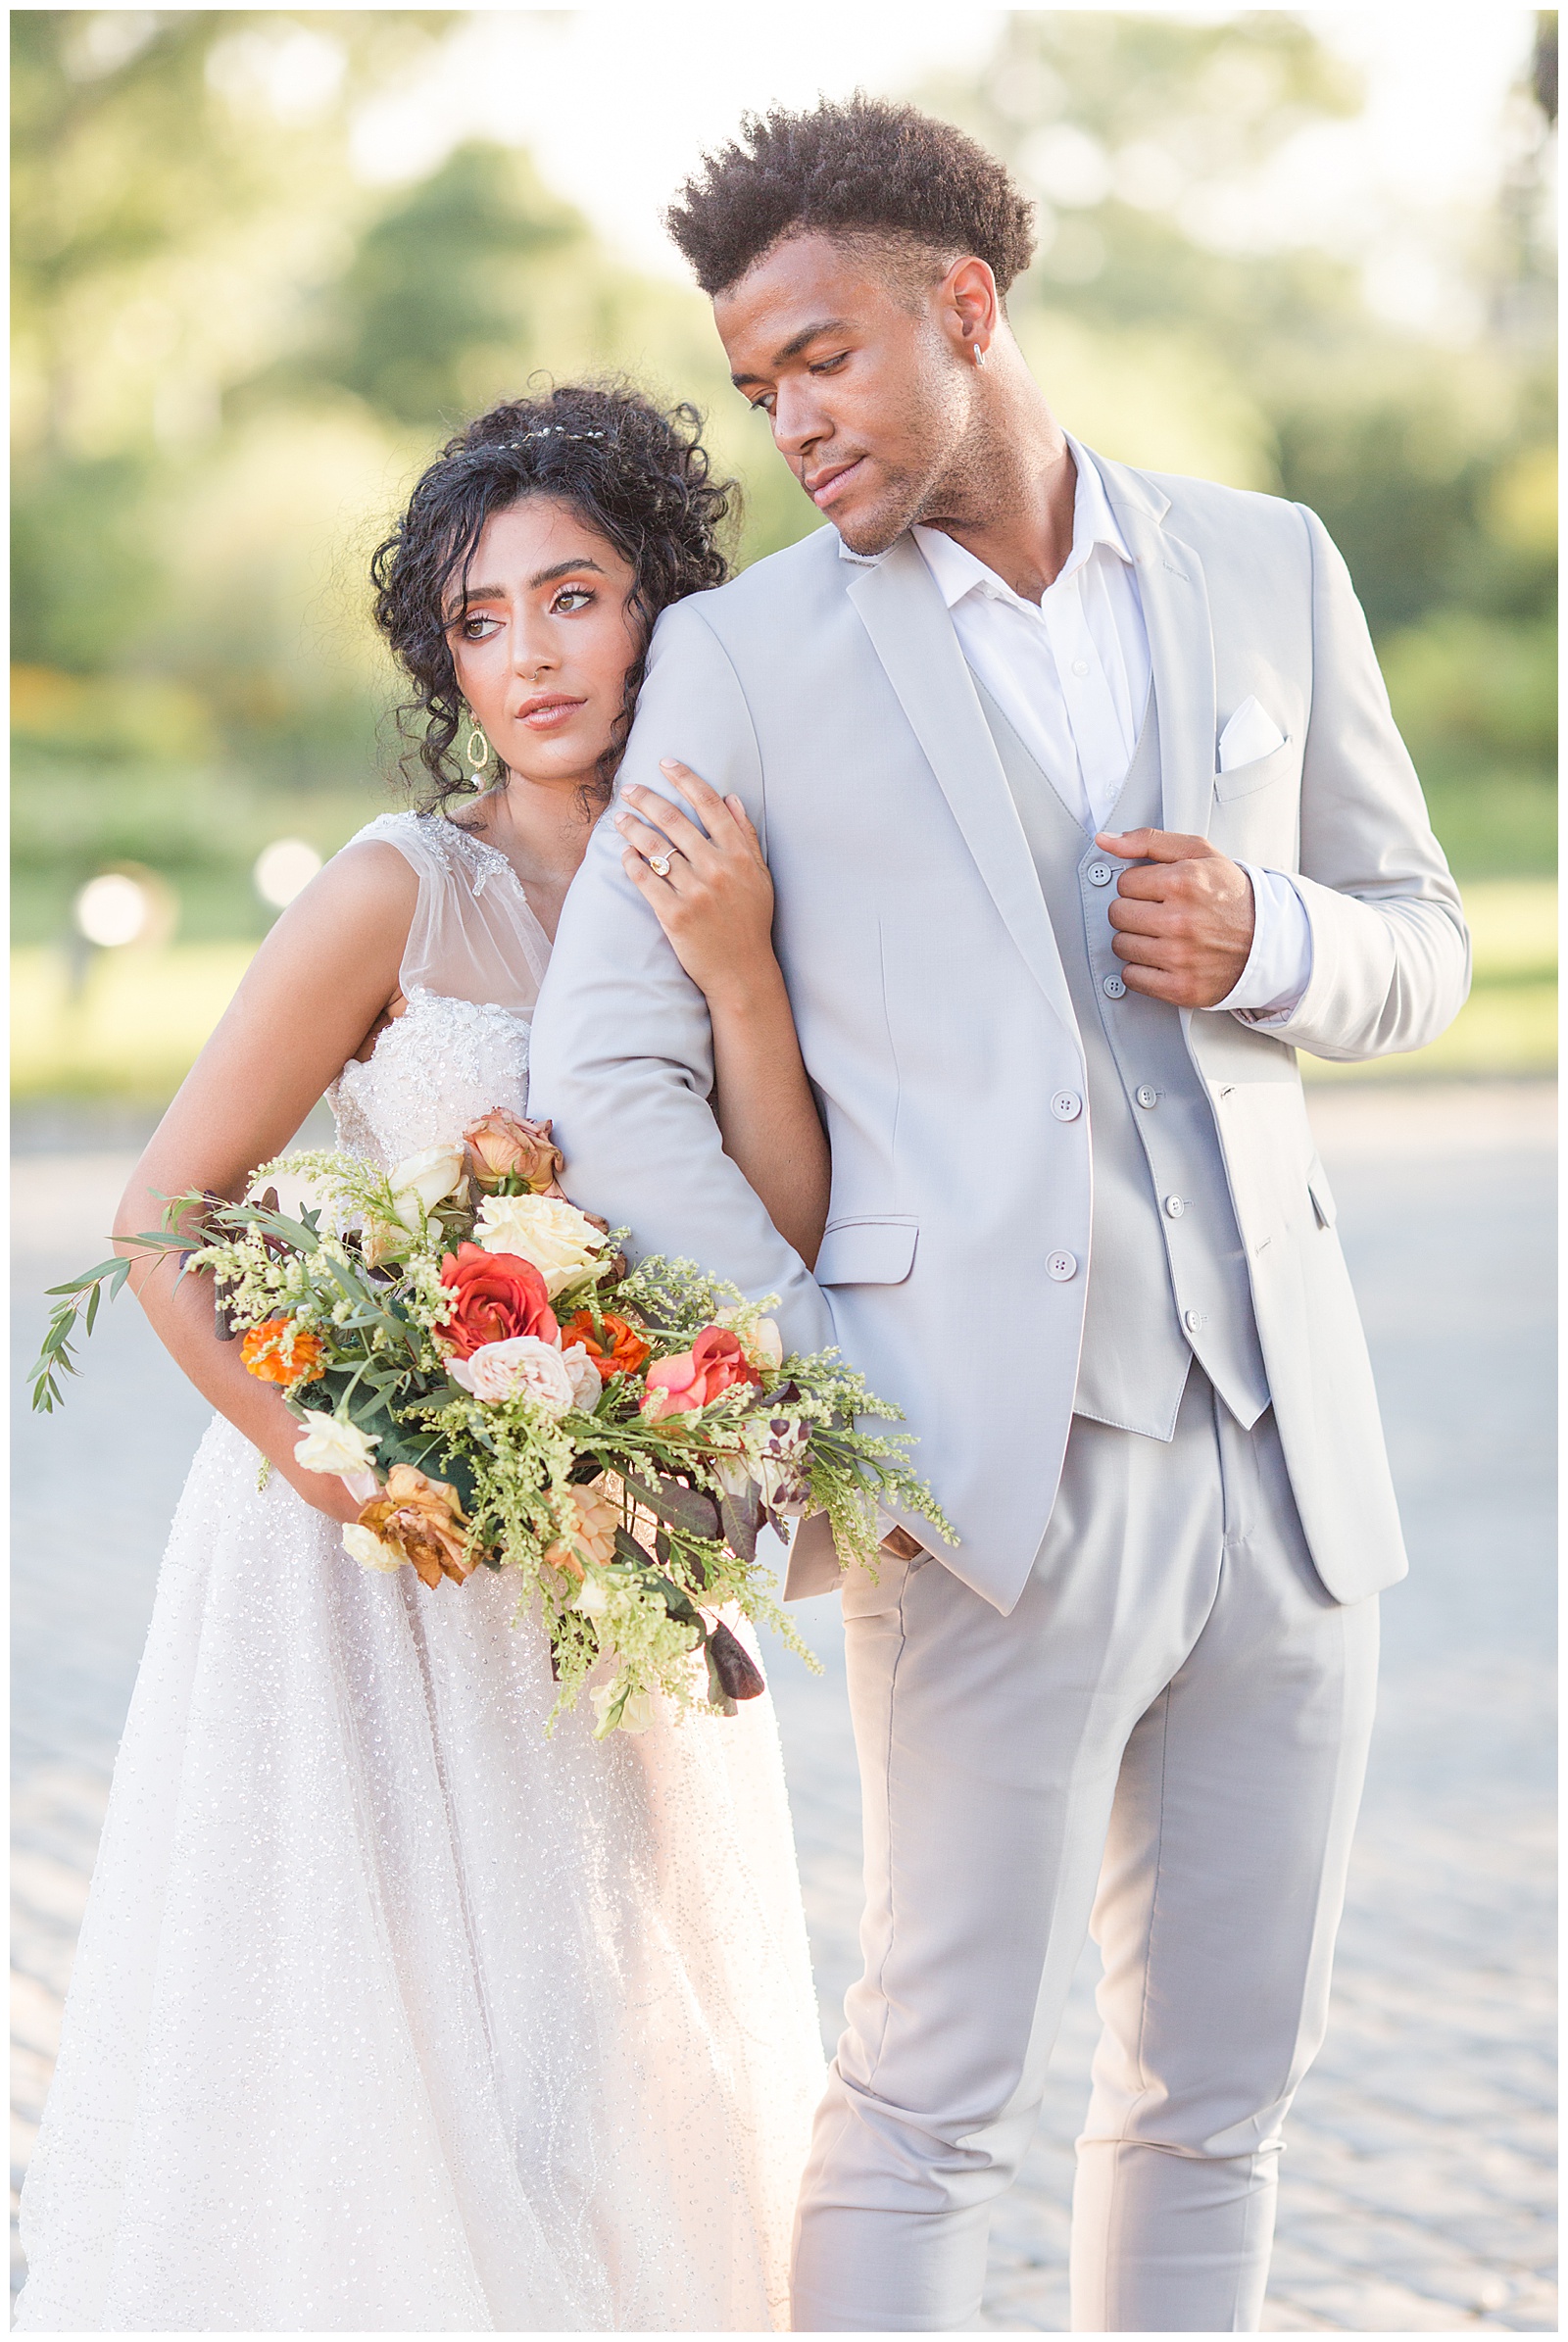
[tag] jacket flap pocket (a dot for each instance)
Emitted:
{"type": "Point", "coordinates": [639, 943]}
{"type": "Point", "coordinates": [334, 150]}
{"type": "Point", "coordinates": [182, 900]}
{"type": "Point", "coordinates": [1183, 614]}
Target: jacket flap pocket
{"type": "Point", "coordinates": [868, 1251]}
{"type": "Point", "coordinates": [1257, 775]}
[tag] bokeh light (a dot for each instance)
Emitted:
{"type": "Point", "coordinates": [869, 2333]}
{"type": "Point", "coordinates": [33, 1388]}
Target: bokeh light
{"type": "Point", "coordinates": [115, 908]}
{"type": "Point", "coordinates": [285, 869]}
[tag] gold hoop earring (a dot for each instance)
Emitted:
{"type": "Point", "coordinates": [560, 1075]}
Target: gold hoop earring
{"type": "Point", "coordinates": [477, 740]}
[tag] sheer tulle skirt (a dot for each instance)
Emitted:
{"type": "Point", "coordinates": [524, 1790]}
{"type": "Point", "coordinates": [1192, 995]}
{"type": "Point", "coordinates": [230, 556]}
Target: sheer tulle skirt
{"type": "Point", "coordinates": [391, 2013]}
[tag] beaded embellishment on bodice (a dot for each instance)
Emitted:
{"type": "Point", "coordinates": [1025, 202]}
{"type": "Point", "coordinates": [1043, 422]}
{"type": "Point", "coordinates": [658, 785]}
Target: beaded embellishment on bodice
{"type": "Point", "coordinates": [433, 1071]}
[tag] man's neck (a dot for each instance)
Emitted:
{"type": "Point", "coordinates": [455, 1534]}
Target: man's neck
{"type": "Point", "coordinates": [1009, 497]}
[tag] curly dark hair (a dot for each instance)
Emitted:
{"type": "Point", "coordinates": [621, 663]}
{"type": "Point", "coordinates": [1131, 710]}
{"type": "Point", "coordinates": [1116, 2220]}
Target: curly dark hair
{"type": "Point", "coordinates": [636, 474]}
{"type": "Point", "coordinates": [862, 168]}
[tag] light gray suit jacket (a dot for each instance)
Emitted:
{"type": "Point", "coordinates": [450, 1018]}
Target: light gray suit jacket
{"type": "Point", "coordinates": [934, 1016]}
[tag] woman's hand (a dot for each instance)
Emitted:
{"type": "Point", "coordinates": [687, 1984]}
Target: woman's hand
{"type": "Point", "coordinates": [712, 896]}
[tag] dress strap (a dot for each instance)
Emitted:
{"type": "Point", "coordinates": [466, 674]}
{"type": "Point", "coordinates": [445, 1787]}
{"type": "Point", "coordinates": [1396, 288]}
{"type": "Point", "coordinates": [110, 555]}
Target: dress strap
{"type": "Point", "coordinates": [473, 934]}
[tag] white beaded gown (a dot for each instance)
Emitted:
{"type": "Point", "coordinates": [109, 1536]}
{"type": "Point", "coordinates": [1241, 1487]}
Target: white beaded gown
{"type": "Point", "coordinates": [391, 2015]}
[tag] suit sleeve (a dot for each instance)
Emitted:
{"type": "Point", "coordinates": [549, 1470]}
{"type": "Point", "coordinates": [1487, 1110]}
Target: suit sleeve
{"type": "Point", "coordinates": [622, 1058]}
{"type": "Point", "coordinates": [1391, 953]}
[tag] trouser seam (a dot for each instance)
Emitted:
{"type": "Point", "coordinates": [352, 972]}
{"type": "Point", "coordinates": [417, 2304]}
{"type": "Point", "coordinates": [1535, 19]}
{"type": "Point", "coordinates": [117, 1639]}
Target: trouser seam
{"type": "Point", "coordinates": [874, 2062]}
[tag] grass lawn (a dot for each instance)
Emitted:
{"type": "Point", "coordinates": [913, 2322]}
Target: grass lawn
{"type": "Point", "coordinates": [129, 1024]}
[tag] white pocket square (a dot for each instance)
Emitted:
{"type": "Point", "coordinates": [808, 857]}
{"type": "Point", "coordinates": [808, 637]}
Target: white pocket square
{"type": "Point", "coordinates": [1250, 733]}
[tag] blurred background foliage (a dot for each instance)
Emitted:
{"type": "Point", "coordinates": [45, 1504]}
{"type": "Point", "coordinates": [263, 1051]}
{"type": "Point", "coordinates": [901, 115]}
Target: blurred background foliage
{"type": "Point", "coordinates": [231, 355]}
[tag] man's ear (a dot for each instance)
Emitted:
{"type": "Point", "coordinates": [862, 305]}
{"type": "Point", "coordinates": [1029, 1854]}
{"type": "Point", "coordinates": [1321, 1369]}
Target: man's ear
{"type": "Point", "coordinates": [969, 307]}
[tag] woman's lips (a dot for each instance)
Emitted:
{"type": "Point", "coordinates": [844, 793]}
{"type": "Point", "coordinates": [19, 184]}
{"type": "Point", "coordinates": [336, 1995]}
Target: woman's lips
{"type": "Point", "coordinates": [828, 490]}
{"type": "Point", "coordinates": [543, 715]}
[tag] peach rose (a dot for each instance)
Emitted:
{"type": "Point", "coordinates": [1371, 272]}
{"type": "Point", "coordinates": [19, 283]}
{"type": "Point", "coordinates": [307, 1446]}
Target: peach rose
{"type": "Point", "coordinates": [695, 1378]}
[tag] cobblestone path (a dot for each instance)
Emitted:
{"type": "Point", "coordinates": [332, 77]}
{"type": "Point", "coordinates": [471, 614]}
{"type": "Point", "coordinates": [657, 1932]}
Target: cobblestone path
{"type": "Point", "coordinates": [1418, 2187]}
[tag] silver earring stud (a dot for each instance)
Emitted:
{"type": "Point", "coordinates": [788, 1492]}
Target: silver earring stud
{"type": "Point", "coordinates": [979, 355]}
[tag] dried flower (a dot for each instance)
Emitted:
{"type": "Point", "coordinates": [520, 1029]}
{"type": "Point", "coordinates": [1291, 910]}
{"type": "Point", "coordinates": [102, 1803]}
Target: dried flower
{"type": "Point", "coordinates": [422, 1520]}
{"type": "Point", "coordinates": [503, 1145]}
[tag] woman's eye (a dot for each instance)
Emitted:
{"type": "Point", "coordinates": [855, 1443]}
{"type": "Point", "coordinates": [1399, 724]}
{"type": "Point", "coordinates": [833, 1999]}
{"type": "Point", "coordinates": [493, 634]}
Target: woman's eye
{"type": "Point", "coordinates": [573, 597]}
{"type": "Point", "coordinates": [478, 629]}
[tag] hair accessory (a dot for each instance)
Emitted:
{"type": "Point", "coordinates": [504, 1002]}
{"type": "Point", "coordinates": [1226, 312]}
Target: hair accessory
{"type": "Point", "coordinates": [551, 432]}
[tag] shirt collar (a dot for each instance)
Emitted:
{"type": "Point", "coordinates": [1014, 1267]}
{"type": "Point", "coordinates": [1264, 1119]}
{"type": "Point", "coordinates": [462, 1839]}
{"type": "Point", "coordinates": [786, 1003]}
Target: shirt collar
{"type": "Point", "coordinates": [957, 572]}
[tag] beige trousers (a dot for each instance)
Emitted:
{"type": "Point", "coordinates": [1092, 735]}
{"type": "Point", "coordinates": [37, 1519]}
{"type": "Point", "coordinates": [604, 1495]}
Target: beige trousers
{"type": "Point", "coordinates": [1177, 1713]}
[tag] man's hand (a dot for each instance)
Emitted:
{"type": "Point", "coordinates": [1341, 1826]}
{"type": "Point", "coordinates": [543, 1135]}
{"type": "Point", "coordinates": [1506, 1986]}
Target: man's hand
{"type": "Point", "coordinates": [1184, 920]}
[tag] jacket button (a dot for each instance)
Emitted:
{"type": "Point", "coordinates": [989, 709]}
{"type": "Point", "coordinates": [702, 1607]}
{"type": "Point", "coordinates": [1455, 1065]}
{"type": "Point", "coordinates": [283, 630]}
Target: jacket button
{"type": "Point", "coordinates": [1147, 1097]}
{"type": "Point", "coordinates": [1066, 1105]}
{"type": "Point", "coordinates": [1061, 1266]}
{"type": "Point", "coordinates": [1113, 988]}
{"type": "Point", "coordinates": [1099, 874]}
{"type": "Point", "coordinates": [1194, 1321]}
{"type": "Point", "coordinates": [1174, 1207]}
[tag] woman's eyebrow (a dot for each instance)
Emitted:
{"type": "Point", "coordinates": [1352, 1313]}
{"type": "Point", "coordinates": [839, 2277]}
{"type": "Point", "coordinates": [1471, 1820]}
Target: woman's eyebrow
{"type": "Point", "coordinates": [543, 577]}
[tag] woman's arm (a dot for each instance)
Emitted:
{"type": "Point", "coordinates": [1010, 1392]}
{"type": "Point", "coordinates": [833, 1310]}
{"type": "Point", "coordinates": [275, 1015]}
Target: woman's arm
{"type": "Point", "coordinates": [717, 907]}
{"type": "Point", "coordinates": [309, 999]}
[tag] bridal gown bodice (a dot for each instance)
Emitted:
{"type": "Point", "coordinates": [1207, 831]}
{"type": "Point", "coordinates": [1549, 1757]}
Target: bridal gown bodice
{"type": "Point", "coordinates": [391, 2011]}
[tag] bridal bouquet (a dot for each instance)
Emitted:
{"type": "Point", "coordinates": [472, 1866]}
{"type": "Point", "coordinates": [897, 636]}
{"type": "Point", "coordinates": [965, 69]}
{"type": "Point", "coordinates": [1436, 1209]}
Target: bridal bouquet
{"type": "Point", "coordinates": [472, 1356]}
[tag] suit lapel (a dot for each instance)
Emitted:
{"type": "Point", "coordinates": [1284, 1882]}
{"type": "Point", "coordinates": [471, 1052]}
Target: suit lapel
{"type": "Point", "coordinates": [1181, 648]}
{"type": "Point", "coordinates": [905, 615]}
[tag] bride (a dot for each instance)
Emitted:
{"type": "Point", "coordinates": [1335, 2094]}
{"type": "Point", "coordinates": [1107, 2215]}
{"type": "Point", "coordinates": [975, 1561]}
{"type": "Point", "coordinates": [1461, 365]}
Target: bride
{"type": "Point", "coordinates": [391, 2013]}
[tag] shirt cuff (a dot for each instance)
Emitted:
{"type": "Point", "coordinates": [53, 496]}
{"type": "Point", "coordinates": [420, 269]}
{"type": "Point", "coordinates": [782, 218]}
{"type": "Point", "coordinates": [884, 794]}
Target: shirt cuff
{"type": "Point", "coordinates": [1279, 966]}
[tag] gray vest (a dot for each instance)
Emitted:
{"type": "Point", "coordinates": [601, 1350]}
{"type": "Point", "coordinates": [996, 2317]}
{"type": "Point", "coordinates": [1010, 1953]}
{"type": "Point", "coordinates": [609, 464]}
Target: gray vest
{"type": "Point", "coordinates": [1167, 1276]}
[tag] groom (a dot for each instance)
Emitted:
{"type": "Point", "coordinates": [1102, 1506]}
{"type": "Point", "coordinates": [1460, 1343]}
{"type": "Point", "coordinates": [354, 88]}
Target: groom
{"type": "Point", "coordinates": [1086, 812]}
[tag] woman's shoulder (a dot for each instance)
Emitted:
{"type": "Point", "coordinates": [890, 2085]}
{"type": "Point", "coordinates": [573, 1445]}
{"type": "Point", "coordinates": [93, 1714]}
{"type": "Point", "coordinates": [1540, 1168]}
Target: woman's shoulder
{"type": "Point", "coordinates": [434, 844]}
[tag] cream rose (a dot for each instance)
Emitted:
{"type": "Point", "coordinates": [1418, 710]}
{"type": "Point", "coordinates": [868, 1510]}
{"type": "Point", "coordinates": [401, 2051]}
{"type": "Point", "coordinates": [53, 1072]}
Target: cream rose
{"type": "Point", "coordinates": [522, 1368]}
{"type": "Point", "coordinates": [763, 1342]}
{"type": "Point", "coordinates": [586, 1388]}
{"type": "Point", "coordinates": [555, 1236]}
{"type": "Point", "coordinates": [328, 1446]}
{"type": "Point", "coordinates": [424, 1179]}
{"type": "Point", "coordinates": [635, 1716]}
{"type": "Point", "coordinates": [362, 1545]}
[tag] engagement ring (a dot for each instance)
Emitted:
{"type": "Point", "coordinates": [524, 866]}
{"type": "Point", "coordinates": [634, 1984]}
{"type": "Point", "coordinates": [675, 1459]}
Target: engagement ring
{"type": "Point", "coordinates": [658, 863]}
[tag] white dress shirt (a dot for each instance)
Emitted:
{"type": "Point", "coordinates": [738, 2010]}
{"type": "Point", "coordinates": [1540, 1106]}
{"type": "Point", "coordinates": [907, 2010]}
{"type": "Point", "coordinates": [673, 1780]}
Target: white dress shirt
{"type": "Point", "coordinates": [1071, 674]}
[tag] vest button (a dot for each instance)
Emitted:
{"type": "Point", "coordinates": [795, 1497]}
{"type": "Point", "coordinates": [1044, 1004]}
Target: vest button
{"type": "Point", "coordinates": [1194, 1321]}
{"type": "Point", "coordinates": [1061, 1265]}
{"type": "Point", "coordinates": [1099, 874]}
{"type": "Point", "coordinates": [1080, 666]}
{"type": "Point", "coordinates": [1147, 1097]}
{"type": "Point", "coordinates": [1174, 1207]}
{"type": "Point", "coordinates": [1113, 988]}
{"type": "Point", "coordinates": [1066, 1105]}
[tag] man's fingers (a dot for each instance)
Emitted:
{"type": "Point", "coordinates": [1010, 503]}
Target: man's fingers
{"type": "Point", "coordinates": [1132, 914]}
{"type": "Point", "coordinates": [1158, 985]}
{"type": "Point", "coordinates": [1155, 845]}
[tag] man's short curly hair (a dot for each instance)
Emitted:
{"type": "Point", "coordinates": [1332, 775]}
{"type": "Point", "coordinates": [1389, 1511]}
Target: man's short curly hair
{"type": "Point", "coordinates": [861, 169]}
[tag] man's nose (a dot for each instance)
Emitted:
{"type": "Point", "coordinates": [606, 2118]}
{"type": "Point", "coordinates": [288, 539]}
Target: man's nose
{"type": "Point", "coordinates": [798, 423]}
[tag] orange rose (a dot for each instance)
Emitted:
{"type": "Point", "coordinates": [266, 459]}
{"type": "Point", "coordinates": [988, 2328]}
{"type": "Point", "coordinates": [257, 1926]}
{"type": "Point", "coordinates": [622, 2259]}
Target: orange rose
{"type": "Point", "coordinates": [495, 1296]}
{"type": "Point", "coordinates": [619, 1350]}
{"type": "Point", "coordinates": [279, 1351]}
{"type": "Point", "coordinates": [695, 1378]}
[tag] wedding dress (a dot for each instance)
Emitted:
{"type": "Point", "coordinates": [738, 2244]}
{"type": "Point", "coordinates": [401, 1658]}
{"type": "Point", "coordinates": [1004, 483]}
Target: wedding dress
{"type": "Point", "coordinates": [391, 2013]}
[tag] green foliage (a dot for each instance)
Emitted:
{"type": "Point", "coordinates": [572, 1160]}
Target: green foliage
{"type": "Point", "coordinates": [231, 355]}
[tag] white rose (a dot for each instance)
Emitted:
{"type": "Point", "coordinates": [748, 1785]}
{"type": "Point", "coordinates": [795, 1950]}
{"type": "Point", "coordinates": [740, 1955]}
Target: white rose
{"type": "Point", "coordinates": [362, 1545]}
{"type": "Point", "coordinates": [522, 1368]}
{"type": "Point", "coordinates": [636, 1716]}
{"type": "Point", "coordinates": [585, 1383]}
{"type": "Point", "coordinates": [554, 1235]}
{"type": "Point", "coordinates": [423, 1180]}
{"type": "Point", "coordinates": [591, 1598]}
{"type": "Point", "coordinates": [329, 1446]}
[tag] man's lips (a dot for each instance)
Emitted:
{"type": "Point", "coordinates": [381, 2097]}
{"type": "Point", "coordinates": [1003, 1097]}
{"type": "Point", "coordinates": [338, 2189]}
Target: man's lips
{"type": "Point", "coordinates": [824, 487]}
{"type": "Point", "coordinates": [543, 714]}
